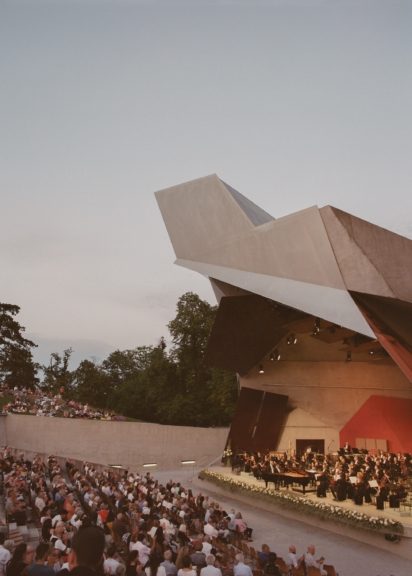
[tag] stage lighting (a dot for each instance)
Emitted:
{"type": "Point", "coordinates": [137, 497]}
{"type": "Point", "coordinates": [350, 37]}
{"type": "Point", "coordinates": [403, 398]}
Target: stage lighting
{"type": "Point", "coordinates": [316, 327]}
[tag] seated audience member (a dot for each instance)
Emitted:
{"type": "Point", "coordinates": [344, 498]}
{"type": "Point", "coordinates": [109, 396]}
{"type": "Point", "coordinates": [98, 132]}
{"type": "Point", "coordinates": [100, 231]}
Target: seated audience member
{"type": "Point", "coordinates": [187, 568]}
{"type": "Point", "coordinates": [142, 549]}
{"type": "Point", "coordinates": [86, 555]}
{"type": "Point", "coordinates": [241, 526]}
{"type": "Point", "coordinates": [270, 568]}
{"type": "Point", "coordinates": [310, 560]}
{"type": "Point", "coordinates": [210, 529]}
{"type": "Point", "coordinates": [40, 566]}
{"type": "Point", "coordinates": [292, 558]}
{"type": "Point", "coordinates": [56, 559]}
{"type": "Point", "coordinates": [4, 555]}
{"type": "Point", "coordinates": [263, 555]}
{"type": "Point", "coordinates": [133, 566]}
{"type": "Point", "coordinates": [198, 558]}
{"type": "Point", "coordinates": [111, 564]}
{"type": "Point", "coordinates": [60, 537]}
{"type": "Point", "coordinates": [240, 568]}
{"type": "Point", "coordinates": [168, 564]}
{"type": "Point", "coordinates": [206, 546]}
{"type": "Point", "coordinates": [210, 568]}
{"type": "Point", "coordinates": [153, 567]}
{"type": "Point", "coordinates": [17, 564]}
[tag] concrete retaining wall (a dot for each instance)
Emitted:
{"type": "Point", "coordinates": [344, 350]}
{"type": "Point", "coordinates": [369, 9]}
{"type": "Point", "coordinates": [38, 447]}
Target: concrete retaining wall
{"type": "Point", "coordinates": [130, 444]}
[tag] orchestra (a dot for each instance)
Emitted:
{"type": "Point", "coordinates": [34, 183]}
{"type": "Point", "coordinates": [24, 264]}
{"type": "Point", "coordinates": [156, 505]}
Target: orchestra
{"type": "Point", "coordinates": [348, 474]}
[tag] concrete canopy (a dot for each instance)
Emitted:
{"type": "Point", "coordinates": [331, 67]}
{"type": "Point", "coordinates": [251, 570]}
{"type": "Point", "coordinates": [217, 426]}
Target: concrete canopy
{"type": "Point", "coordinates": [311, 260]}
{"type": "Point", "coordinates": [320, 273]}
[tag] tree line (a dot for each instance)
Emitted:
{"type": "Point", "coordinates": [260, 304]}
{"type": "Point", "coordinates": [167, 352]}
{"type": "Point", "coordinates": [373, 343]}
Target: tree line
{"type": "Point", "coordinates": [149, 383]}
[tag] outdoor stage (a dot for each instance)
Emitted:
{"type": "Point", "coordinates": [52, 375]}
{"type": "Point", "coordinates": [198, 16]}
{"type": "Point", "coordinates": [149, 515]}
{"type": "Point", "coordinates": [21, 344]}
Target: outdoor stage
{"type": "Point", "coordinates": [343, 518]}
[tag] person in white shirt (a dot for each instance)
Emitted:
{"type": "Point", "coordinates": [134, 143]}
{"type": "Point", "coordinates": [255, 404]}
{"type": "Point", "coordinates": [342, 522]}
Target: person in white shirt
{"type": "Point", "coordinates": [240, 568]}
{"type": "Point", "coordinates": [111, 565]}
{"type": "Point", "coordinates": [210, 530]}
{"type": "Point", "coordinates": [210, 568]}
{"type": "Point", "coordinates": [310, 560]}
{"type": "Point", "coordinates": [206, 546]}
{"type": "Point", "coordinates": [187, 568]}
{"type": "Point", "coordinates": [40, 502]}
{"type": "Point", "coordinates": [4, 555]}
{"type": "Point", "coordinates": [292, 557]}
{"type": "Point", "coordinates": [143, 550]}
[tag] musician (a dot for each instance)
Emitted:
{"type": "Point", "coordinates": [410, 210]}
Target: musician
{"type": "Point", "coordinates": [322, 484]}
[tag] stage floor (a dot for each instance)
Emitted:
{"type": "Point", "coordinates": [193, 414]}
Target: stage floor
{"type": "Point", "coordinates": [368, 509]}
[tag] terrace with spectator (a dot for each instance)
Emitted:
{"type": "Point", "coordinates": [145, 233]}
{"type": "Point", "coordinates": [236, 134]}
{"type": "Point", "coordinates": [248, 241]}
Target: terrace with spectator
{"type": "Point", "coordinates": [36, 402]}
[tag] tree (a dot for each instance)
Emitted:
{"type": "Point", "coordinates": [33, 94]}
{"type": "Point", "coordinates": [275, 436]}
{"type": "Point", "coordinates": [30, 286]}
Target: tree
{"type": "Point", "coordinates": [121, 364]}
{"type": "Point", "coordinates": [202, 396]}
{"type": "Point", "coordinates": [90, 385]}
{"type": "Point", "coordinates": [57, 375]}
{"type": "Point", "coordinates": [16, 361]}
{"type": "Point", "coordinates": [190, 331]}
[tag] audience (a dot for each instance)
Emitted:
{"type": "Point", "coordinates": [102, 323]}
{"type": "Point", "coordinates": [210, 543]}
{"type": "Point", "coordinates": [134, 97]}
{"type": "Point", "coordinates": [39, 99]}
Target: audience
{"type": "Point", "coordinates": [102, 520]}
{"type": "Point", "coordinates": [39, 403]}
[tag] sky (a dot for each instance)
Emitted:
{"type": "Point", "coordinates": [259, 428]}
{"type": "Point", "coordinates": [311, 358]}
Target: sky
{"type": "Point", "coordinates": [294, 103]}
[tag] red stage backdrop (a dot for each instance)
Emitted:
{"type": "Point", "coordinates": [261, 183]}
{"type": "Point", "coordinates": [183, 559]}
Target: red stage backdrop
{"type": "Point", "coordinates": [382, 417]}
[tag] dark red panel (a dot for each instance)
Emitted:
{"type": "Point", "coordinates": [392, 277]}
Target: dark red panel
{"type": "Point", "coordinates": [382, 417]}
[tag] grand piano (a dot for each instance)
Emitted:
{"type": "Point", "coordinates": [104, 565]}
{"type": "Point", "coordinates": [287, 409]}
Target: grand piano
{"type": "Point", "coordinates": [303, 478]}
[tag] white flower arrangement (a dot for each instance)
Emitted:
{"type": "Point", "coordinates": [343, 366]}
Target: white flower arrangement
{"type": "Point", "coordinates": [325, 511]}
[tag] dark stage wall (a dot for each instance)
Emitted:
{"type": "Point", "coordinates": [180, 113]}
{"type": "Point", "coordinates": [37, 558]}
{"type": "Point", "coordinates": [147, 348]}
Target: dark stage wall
{"type": "Point", "coordinates": [258, 420]}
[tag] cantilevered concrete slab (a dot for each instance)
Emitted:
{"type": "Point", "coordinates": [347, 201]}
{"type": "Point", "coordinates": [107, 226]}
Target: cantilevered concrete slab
{"type": "Point", "coordinates": [347, 278]}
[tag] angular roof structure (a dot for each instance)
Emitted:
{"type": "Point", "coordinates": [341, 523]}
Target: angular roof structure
{"type": "Point", "coordinates": [319, 262]}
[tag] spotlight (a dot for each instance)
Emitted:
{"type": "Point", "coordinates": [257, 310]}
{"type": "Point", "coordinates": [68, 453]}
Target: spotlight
{"type": "Point", "coordinates": [275, 355]}
{"type": "Point", "coordinates": [261, 369]}
{"type": "Point", "coordinates": [348, 356]}
{"type": "Point", "coordinates": [291, 339]}
{"type": "Point", "coordinates": [316, 327]}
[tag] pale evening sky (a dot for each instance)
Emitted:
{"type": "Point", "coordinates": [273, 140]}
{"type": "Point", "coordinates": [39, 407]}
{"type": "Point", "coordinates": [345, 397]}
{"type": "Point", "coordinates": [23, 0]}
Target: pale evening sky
{"type": "Point", "coordinates": [292, 102]}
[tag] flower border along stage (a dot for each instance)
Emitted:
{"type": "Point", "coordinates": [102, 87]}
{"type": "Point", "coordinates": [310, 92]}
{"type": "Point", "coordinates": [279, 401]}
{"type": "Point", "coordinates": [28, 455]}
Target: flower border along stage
{"type": "Point", "coordinates": [288, 499]}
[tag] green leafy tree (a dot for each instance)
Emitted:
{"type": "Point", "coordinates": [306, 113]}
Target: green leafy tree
{"type": "Point", "coordinates": [91, 385]}
{"type": "Point", "coordinates": [57, 376]}
{"type": "Point", "coordinates": [203, 396]}
{"type": "Point", "coordinates": [122, 364]}
{"type": "Point", "coordinates": [190, 331]}
{"type": "Point", "coordinates": [16, 361]}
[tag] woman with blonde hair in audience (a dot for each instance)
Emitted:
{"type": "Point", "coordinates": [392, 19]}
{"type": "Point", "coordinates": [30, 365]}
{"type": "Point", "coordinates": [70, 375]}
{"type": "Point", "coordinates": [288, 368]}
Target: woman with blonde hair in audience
{"type": "Point", "coordinates": [182, 552]}
{"type": "Point", "coordinates": [187, 568]}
